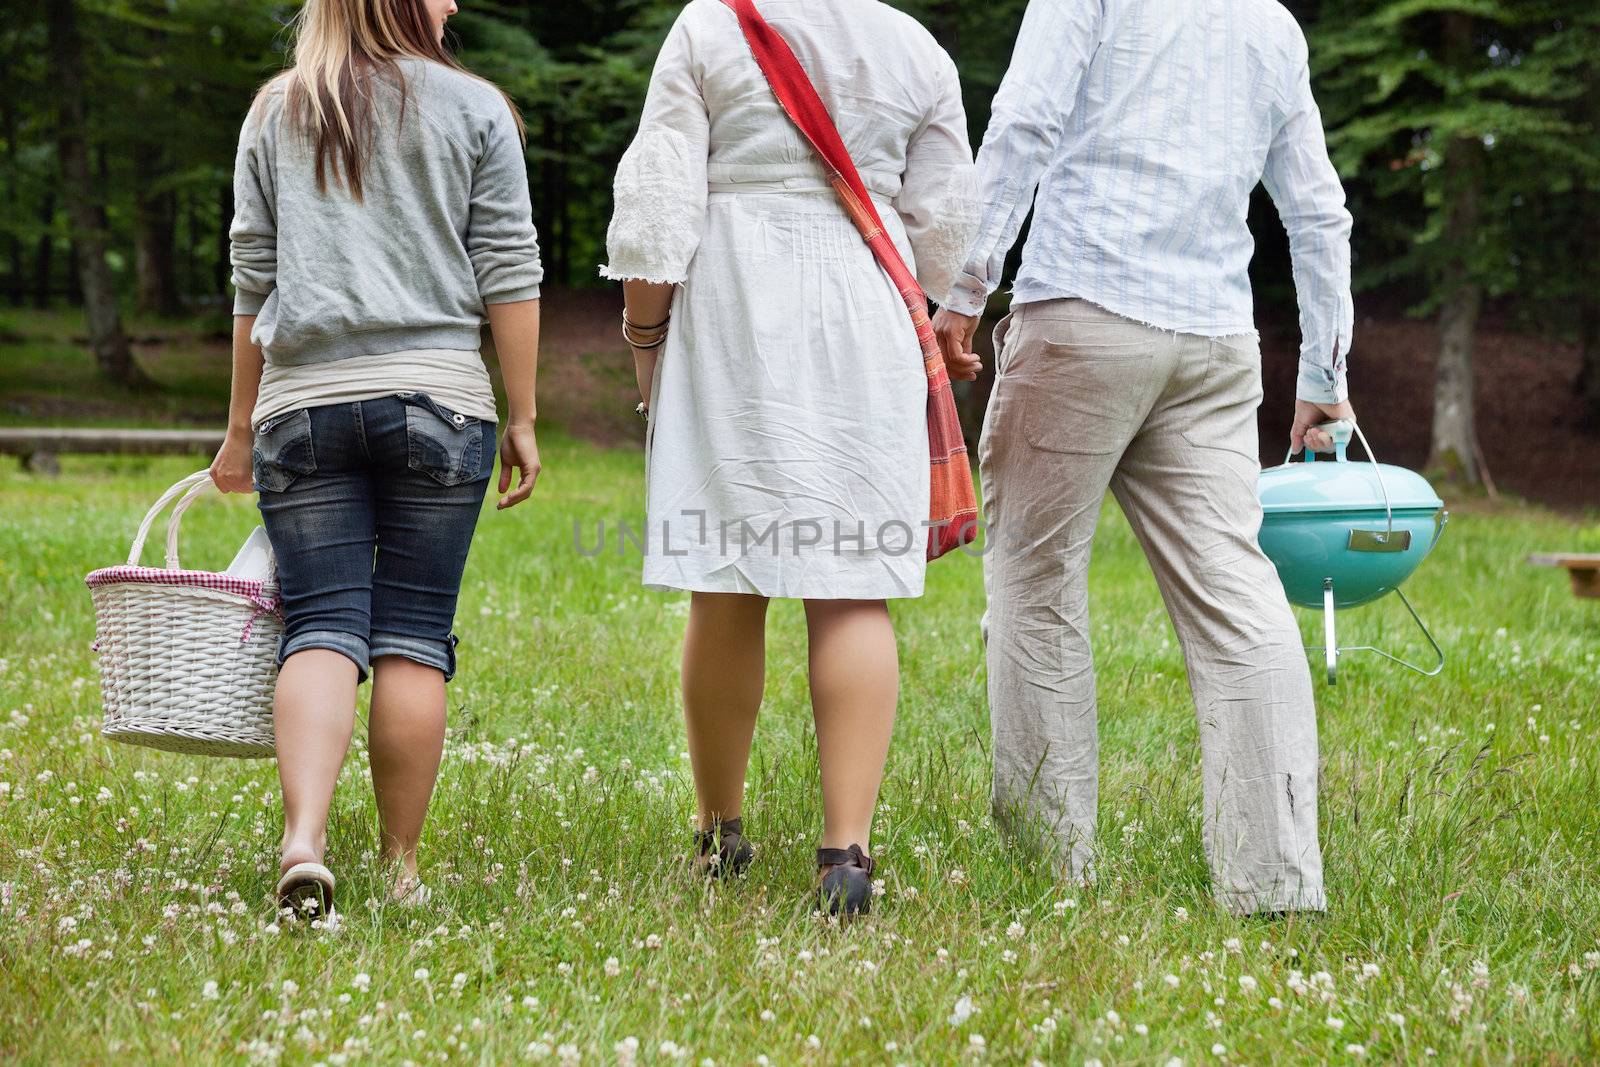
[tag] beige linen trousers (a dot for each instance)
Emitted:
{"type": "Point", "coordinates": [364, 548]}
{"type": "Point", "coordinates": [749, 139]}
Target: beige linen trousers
{"type": "Point", "coordinates": [1085, 399]}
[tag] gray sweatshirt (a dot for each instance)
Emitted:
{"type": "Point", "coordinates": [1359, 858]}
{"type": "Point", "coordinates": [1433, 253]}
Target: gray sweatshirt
{"type": "Point", "coordinates": [445, 227]}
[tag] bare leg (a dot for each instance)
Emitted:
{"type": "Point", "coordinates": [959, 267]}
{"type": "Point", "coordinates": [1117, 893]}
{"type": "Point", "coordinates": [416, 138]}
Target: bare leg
{"type": "Point", "coordinates": [314, 713]}
{"type": "Point", "coordinates": [855, 684]}
{"type": "Point", "coordinates": [405, 741]}
{"type": "Point", "coordinates": [724, 671]}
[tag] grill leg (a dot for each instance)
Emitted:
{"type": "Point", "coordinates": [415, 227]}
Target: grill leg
{"type": "Point", "coordinates": [1330, 644]}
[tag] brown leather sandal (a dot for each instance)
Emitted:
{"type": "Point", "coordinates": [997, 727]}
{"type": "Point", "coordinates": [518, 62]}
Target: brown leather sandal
{"type": "Point", "coordinates": [845, 880]}
{"type": "Point", "coordinates": [723, 851]}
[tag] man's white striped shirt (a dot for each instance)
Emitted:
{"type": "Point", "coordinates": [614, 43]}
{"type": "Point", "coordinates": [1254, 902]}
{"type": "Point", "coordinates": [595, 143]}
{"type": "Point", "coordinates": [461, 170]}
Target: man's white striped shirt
{"type": "Point", "coordinates": [1144, 126]}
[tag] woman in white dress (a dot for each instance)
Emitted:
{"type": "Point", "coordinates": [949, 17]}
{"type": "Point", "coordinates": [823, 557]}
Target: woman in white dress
{"type": "Point", "coordinates": [784, 386]}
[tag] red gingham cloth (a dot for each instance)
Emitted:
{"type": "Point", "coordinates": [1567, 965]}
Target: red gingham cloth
{"type": "Point", "coordinates": [252, 589]}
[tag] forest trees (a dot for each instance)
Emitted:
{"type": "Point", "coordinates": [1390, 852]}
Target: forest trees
{"type": "Point", "coordinates": [1457, 115]}
{"type": "Point", "coordinates": [1465, 131]}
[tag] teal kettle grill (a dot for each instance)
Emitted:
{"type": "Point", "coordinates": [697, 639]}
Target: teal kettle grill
{"type": "Point", "coordinates": [1343, 534]}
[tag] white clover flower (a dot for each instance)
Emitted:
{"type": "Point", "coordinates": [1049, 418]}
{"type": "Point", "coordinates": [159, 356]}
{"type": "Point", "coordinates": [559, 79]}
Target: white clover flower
{"type": "Point", "coordinates": [1219, 1049]}
{"type": "Point", "coordinates": [420, 975]}
{"type": "Point", "coordinates": [209, 991]}
{"type": "Point", "coordinates": [1357, 1051]}
{"type": "Point", "coordinates": [458, 982]}
{"type": "Point", "coordinates": [290, 987]}
{"type": "Point", "coordinates": [1247, 983]}
{"type": "Point", "coordinates": [768, 1015]}
{"type": "Point", "coordinates": [362, 981]}
{"type": "Point", "coordinates": [962, 1011]}
{"type": "Point", "coordinates": [1335, 1023]}
{"type": "Point", "coordinates": [813, 1041]}
{"type": "Point", "coordinates": [1171, 980]}
{"type": "Point", "coordinates": [1016, 930]}
{"type": "Point", "coordinates": [613, 966]}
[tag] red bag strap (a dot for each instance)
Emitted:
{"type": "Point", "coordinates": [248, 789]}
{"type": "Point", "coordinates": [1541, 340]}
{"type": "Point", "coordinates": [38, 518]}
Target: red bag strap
{"type": "Point", "coordinates": [798, 97]}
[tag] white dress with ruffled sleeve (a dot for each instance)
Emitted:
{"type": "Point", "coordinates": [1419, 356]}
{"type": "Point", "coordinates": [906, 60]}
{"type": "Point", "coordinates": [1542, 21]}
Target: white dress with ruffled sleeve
{"type": "Point", "coordinates": [787, 449]}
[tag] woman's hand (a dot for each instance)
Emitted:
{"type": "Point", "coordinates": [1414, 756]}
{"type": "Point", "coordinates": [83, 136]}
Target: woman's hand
{"type": "Point", "coordinates": [231, 469]}
{"type": "Point", "coordinates": [519, 449]}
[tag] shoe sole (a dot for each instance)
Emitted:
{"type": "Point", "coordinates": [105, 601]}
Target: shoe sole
{"type": "Point", "coordinates": [306, 889]}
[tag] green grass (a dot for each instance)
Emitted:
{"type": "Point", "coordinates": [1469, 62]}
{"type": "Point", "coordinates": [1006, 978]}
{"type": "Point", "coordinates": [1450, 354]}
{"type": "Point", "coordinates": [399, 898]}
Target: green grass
{"type": "Point", "coordinates": [47, 377]}
{"type": "Point", "coordinates": [1458, 820]}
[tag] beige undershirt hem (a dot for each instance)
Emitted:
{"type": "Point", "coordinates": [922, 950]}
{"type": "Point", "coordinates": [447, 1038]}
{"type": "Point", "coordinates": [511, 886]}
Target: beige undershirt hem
{"type": "Point", "coordinates": [455, 380]}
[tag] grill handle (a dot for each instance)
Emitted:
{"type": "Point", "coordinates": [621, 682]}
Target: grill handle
{"type": "Point", "coordinates": [1340, 430]}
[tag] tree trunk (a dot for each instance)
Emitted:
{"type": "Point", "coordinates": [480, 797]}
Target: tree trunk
{"type": "Point", "coordinates": [155, 234]}
{"type": "Point", "coordinates": [16, 266]}
{"type": "Point", "coordinates": [44, 253]}
{"type": "Point", "coordinates": [1588, 267]}
{"type": "Point", "coordinates": [111, 350]}
{"type": "Point", "coordinates": [1454, 449]}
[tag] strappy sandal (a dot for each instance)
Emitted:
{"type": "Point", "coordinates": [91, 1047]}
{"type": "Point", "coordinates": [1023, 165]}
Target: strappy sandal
{"type": "Point", "coordinates": [723, 851]}
{"type": "Point", "coordinates": [306, 889]}
{"type": "Point", "coordinates": [845, 880]}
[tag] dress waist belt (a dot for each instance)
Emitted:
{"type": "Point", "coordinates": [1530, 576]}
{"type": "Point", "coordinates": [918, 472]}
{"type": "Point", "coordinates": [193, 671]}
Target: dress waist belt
{"type": "Point", "coordinates": [750, 178]}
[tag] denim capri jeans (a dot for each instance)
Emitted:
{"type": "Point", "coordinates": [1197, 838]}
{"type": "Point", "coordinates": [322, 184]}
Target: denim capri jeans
{"type": "Point", "coordinates": [371, 507]}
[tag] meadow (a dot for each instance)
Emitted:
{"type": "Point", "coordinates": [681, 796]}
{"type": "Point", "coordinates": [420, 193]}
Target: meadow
{"type": "Point", "coordinates": [1458, 820]}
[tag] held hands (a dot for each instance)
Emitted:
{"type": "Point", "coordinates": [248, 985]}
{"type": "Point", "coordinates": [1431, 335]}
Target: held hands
{"type": "Point", "coordinates": [1307, 416]}
{"type": "Point", "coordinates": [519, 449]}
{"type": "Point", "coordinates": [955, 332]}
{"type": "Point", "coordinates": [231, 468]}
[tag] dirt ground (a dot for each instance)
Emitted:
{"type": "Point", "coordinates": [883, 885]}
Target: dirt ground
{"type": "Point", "coordinates": [1530, 421]}
{"type": "Point", "coordinates": [1528, 416]}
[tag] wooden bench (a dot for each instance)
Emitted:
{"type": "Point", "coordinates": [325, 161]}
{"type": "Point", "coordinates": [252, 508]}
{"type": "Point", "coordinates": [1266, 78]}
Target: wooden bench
{"type": "Point", "coordinates": [41, 446]}
{"type": "Point", "coordinates": [1584, 567]}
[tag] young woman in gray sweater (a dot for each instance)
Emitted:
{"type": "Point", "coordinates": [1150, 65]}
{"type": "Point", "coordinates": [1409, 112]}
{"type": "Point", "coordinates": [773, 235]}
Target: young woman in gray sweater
{"type": "Point", "coordinates": [382, 216]}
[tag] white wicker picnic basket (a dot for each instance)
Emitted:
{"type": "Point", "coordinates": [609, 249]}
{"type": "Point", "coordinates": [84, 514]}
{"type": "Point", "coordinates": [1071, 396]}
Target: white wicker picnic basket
{"type": "Point", "coordinates": [188, 659]}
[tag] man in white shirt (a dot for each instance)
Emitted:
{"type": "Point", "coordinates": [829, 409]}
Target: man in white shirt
{"type": "Point", "coordinates": [1130, 361]}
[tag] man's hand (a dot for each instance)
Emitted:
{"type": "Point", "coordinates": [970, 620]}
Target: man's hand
{"type": "Point", "coordinates": [520, 449]}
{"type": "Point", "coordinates": [955, 332]}
{"type": "Point", "coordinates": [1307, 416]}
{"type": "Point", "coordinates": [231, 469]}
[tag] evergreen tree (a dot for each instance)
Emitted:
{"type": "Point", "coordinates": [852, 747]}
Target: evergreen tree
{"type": "Point", "coordinates": [1449, 111]}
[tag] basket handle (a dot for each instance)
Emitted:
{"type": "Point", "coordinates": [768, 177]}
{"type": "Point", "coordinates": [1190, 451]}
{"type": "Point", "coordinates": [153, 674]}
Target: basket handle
{"type": "Point", "coordinates": [188, 489]}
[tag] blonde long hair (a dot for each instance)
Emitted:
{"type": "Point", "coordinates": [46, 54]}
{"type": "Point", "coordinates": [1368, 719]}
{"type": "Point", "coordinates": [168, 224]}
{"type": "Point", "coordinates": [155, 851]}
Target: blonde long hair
{"type": "Point", "coordinates": [339, 48]}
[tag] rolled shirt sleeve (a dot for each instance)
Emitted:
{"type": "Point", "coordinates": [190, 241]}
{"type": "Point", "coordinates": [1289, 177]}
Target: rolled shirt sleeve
{"type": "Point", "coordinates": [1304, 185]}
{"type": "Point", "coordinates": [659, 193]}
{"type": "Point", "coordinates": [253, 234]}
{"type": "Point", "coordinates": [501, 240]}
{"type": "Point", "coordinates": [1055, 46]}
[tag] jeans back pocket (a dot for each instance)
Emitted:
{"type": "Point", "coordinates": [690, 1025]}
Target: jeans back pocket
{"type": "Point", "coordinates": [444, 445]}
{"type": "Point", "coordinates": [282, 452]}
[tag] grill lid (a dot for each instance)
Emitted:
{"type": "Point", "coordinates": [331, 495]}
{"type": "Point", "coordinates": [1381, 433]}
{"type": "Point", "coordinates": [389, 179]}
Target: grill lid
{"type": "Point", "coordinates": [1343, 485]}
